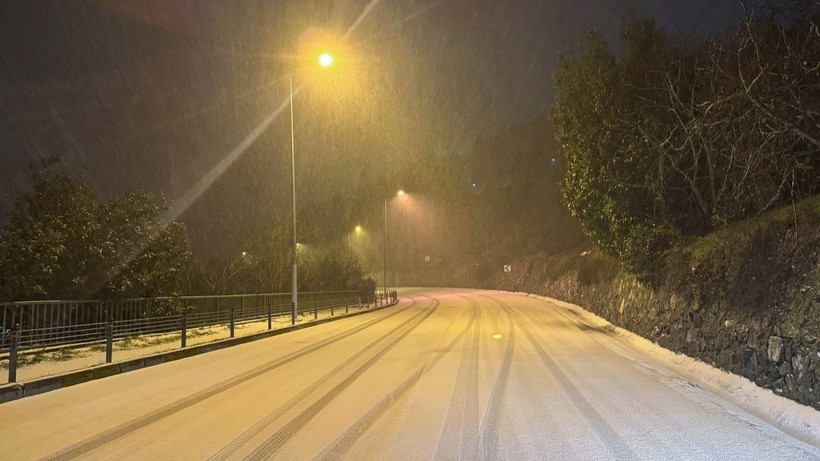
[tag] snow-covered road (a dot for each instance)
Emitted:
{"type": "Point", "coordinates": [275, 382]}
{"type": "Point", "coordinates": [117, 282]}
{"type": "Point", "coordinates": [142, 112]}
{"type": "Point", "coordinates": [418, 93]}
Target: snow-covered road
{"type": "Point", "coordinates": [446, 374]}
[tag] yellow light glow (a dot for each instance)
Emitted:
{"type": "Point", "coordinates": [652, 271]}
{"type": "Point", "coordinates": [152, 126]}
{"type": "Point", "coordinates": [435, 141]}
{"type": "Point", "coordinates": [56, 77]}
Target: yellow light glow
{"type": "Point", "coordinates": [326, 60]}
{"type": "Point", "coordinates": [400, 193]}
{"type": "Point", "coordinates": [497, 336]}
{"type": "Point", "coordinates": [358, 229]}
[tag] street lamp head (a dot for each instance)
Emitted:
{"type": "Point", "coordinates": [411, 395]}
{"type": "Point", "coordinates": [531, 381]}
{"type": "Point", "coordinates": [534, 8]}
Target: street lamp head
{"type": "Point", "coordinates": [326, 60]}
{"type": "Point", "coordinates": [358, 229]}
{"type": "Point", "coordinates": [400, 193]}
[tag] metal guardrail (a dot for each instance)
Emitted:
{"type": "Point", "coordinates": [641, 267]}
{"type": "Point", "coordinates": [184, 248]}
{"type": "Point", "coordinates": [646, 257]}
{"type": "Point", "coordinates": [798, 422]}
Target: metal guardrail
{"type": "Point", "coordinates": [45, 324]}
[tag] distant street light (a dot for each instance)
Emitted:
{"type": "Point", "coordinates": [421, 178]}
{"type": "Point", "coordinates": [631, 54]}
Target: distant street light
{"type": "Point", "coordinates": [358, 233]}
{"type": "Point", "coordinates": [325, 60]}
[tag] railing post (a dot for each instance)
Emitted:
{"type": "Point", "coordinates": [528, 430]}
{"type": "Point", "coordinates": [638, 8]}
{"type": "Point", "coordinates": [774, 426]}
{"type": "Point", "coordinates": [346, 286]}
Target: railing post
{"type": "Point", "coordinates": [270, 315]}
{"type": "Point", "coordinates": [315, 310]}
{"type": "Point", "coordinates": [109, 341]}
{"type": "Point", "coordinates": [15, 335]}
{"type": "Point", "coordinates": [347, 305]}
{"type": "Point", "coordinates": [184, 329]}
{"type": "Point", "coordinates": [232, 321]}
{"type": "Point", "coordinates": [109, 335]}
{"type": "Point", "coordinates": [332, 313]}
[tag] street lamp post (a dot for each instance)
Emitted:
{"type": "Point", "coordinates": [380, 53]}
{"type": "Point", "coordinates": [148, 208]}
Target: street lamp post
{"type": "Point", "coordinates": [293, 287]}
{"type": "Point", "coordinates": [384, 273]}
{"type": "Point", "coordinates": [325, 60]}
{"type": "Point", "coordinates": [384, 267]}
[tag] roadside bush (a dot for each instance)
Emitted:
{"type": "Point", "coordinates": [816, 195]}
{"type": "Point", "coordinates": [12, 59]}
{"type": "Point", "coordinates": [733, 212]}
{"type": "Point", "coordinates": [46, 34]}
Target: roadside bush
{"type": "Point", "coordinates": [367, 289]}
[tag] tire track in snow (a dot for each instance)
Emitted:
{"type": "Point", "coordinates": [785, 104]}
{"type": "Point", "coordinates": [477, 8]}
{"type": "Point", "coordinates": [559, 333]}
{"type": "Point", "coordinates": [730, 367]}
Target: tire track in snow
{"type": "Point", "coordinates": [490, 421]}
{"type": "Point", "coordinates": [346, 439]}
{"type": "Point", "coordinates": [103, 438]}
{"type": "Point", "coordinates": [642, 422]}
{"type": "Point", "coordinates": [273, 443]}
{"type": "Point", "coordinates": [251, 432]}
{"type": "Point", "coordinates": [534, 422]}
{"type": "Point", "coordinates": [463, 409]}
{"type": "Point", "coordinates": [613, 442]}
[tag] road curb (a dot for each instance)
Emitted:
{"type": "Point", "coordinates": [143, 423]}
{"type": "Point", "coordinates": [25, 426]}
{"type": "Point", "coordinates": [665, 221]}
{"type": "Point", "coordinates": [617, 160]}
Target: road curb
{"type": "Point", "coordinates": [15, 391]}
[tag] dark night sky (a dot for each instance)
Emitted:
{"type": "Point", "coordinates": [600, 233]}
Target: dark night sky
{"type": "Point", "coordinates": [151, 95]}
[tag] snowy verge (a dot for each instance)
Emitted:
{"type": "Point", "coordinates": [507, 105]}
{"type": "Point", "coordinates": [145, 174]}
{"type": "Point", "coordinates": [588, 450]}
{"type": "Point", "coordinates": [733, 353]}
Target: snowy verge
{"type": "Point", "coordinates": [800, 421]}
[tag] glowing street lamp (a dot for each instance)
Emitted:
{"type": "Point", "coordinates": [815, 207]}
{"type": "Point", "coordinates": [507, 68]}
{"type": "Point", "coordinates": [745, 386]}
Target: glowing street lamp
{"type": "Point", "coordinates": [357, 233]}
{"type": "Point", "coordinates": [325, 60]}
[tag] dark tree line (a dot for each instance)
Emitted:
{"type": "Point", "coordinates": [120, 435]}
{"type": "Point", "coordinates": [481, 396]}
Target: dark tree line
{"type": "Point", "coordinates": [263, 265]}
{"type": "Point", "coordinates": [668, 139]}
{"type": "Point", "coordinates": [61, 242]}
